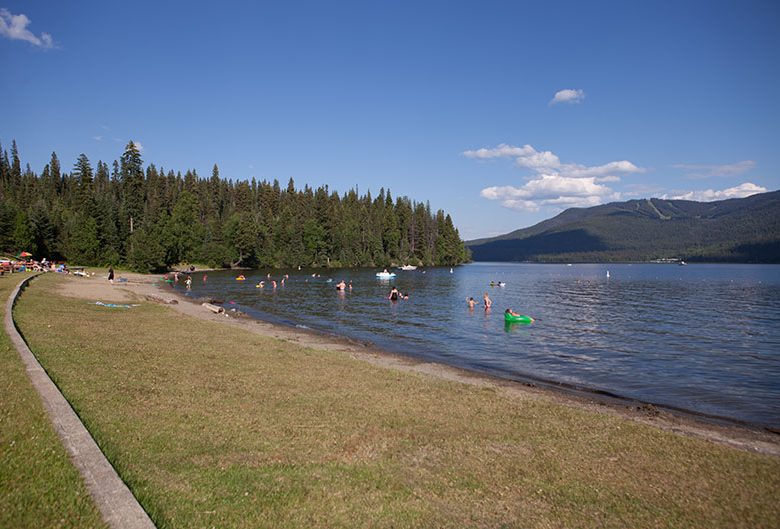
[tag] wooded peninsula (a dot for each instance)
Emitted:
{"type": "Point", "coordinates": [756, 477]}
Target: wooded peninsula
{"type": "Point", "coordinates": [150, 219]}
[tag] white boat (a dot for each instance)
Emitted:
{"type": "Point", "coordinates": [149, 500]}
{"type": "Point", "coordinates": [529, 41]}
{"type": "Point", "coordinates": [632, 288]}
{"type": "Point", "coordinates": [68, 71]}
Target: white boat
{"type": "Point", "coordinates": [408, 267]}
{"type": "Point", "coordinates": [385, 275]}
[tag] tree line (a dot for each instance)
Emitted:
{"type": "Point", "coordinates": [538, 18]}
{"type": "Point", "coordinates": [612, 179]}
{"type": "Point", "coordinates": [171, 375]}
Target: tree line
{"type": "Point", "coordinates": [150, 220]}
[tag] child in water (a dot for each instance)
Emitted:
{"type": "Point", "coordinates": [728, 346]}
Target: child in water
{"type": "Point", "coordinates": [471, 303]}
{"type": "Point", "coordinates": [488, 302]}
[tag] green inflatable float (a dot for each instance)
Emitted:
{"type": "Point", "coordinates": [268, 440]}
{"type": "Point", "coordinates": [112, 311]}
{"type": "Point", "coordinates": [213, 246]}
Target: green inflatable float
{"type": "Point", "coordinates": [517, 319]}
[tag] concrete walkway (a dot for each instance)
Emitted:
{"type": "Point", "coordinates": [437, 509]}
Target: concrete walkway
{"type": "Point", "coordinates": [116, 503]}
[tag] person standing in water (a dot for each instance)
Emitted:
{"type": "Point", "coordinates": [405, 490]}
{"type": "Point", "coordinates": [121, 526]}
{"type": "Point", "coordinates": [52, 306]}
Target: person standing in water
{"type": "Point", "coordinates": [488, 302]}
{"type": "Point", "coordinates": [394, 294]}
{"type": "Point", "coordinates": [471, 303]}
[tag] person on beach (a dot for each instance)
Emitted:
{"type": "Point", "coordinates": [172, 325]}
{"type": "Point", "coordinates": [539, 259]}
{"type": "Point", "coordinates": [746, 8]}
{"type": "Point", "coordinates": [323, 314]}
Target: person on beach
{"type": "Point", "coordinates": [111, 274]}
{"type": "Point", "coordinates": [394, 294]}
{"type": "Point", "coordinates": [471, 303]}
{"type": "Point", "coordinates": [341, 285]}
{"type": "Point", "coordinates": [188, 282]}
{"type": "Point", "coordinates": [488, 302]}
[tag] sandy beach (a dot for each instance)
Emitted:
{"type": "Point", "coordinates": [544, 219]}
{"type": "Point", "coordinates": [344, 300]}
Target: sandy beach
{"type": "Point", "coordinates": [139, 288]}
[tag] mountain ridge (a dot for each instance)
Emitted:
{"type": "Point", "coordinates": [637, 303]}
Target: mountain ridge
{"type": "Point", "coordinates": [731, 230]}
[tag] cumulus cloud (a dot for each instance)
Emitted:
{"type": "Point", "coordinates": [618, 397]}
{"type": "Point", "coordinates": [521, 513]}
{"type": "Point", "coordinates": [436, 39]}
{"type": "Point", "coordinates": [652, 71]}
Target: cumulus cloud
{"type": "Point", "coordinates": [555, 183]}
{"type": "Point", "coordinates": [569, 96]}
{"type": "Point", "coordinates": [743, 190]}
{"type": "Point", "coordinates": [14, 27]}
{"type": "Point", "coordinates": [547, 162]}
{"type": "Point", "coordinates": [713, 170]}
{"type": "Point", "coordinates": [551, 190]}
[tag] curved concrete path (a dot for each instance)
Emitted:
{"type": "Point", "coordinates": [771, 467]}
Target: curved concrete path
{"type": "Point", "coordinates": [116, 503]}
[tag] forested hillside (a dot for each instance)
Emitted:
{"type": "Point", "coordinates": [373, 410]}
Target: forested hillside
{"type": "Point", "coordinates": [735, 230]}
{"type": "Point", "coordinates": [150, 219]}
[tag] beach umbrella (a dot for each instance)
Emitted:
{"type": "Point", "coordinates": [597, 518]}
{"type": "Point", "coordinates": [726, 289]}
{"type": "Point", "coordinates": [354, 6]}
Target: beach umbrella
{"type": "Point", "coordinates": [25, 254]}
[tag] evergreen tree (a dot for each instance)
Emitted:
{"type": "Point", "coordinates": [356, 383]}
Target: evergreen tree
{"type": "Point", "coordinates": [132, 177]}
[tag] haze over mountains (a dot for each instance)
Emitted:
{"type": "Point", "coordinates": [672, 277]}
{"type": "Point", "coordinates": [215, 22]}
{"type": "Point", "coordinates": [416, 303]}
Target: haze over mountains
{"type": "Point", "coordinates": [734, 230]}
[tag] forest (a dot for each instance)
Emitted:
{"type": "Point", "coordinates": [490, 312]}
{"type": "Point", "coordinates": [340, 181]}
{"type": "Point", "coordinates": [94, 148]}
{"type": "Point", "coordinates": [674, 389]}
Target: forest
{"type": "Point", "coordinates": [149, 220]}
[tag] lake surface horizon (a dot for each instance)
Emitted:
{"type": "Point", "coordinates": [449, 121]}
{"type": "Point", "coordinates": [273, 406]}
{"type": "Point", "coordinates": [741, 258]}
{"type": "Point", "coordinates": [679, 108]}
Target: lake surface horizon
{"type": "Point", "coordinates": [703, 338]}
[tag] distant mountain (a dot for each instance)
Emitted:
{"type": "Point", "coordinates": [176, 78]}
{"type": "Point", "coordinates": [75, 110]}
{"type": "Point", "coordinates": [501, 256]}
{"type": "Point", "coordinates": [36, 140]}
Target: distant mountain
{"type": "Point", "coordinates": [734, 230]}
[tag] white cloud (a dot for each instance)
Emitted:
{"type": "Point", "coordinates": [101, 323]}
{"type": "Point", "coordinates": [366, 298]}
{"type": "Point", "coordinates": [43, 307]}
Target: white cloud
{"type": "Point", "coordinates": [569, 96]}
{"type": "Point", "coordinates": [554, 183]}
{"type": "Point", "coordinates": [712, 170]}
{"type": "Point", "coordinates": [551, 190]}
{"type": "Point", "coordinates": [502, 151]}
{"type": "Point", "coordinates": [547, 162]}
{"type": "Point", "coordinates": [708, 195]}
{"type": "Point", "coordinates": [97, 138]}
{"type": "Point", "coordinates": [14, 27]}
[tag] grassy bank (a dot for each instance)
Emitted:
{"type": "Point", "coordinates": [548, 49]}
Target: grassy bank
{"type": "Point", "coordinates": [39, 487]}
{"type": "Point", "coordinates": [217, 427]}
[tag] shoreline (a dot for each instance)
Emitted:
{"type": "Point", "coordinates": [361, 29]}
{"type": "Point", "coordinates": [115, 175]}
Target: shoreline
{"type": "Point", "coordinates": [719, 430]}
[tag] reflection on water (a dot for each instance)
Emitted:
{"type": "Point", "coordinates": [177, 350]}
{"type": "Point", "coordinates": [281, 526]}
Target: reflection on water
{"type": "Point", "coordinates": [701, 337]}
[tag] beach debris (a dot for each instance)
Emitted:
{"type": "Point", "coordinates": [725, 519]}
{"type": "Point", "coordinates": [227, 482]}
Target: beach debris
{"type": "Point", "coordinates": [164, 301]}
{"type": "Point", "coordinates": [213, 308]}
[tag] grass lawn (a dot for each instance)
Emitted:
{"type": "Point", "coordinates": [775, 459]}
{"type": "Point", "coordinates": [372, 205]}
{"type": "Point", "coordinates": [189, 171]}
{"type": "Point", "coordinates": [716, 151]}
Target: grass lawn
{"type": "Point", "coordinates": [213, 426]}
{"type": "Point", "coordinates": [39, 487]}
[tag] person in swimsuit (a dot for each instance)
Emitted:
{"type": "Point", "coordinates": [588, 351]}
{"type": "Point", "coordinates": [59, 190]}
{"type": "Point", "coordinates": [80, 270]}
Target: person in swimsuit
{"type": "Point", "coordinates": [488, 302]}
{"type": "Point", "coordinates": [394, 294]}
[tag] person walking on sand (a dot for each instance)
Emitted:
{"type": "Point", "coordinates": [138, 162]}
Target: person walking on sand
{"type": "Point", "coordinates": [488, 302]}
{"type": "Point", "coordinates": [111, 274]}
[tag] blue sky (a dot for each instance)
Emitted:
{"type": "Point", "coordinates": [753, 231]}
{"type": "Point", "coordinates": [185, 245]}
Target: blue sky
{"type": "Point", "coordinates": [501, 113]}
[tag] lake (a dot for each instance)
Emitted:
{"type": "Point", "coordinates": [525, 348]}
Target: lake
{"type": "Point", "coordinates": [701, 338]}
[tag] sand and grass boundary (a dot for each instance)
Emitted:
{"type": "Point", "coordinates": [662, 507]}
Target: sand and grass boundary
{"type": "Point", "coordinates": [149, 288]}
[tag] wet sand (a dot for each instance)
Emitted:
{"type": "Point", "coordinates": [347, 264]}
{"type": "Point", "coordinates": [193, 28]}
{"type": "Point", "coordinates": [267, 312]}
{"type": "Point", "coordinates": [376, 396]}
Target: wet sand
{"type": "Point", "coordinates": [149, 289]}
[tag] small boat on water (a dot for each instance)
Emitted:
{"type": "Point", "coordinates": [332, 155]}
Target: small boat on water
{"type": "Point", "coordinates": [385, 274]}
{"type": "Point", "coordinates": [408, 267]}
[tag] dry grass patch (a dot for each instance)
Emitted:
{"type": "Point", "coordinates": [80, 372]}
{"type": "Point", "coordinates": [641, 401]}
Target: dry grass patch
{"type": "Point", "coordinates": [214, 426]}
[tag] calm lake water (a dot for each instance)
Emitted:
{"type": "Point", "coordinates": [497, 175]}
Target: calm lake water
{"type": "Point", "coordinates": [703, 338]}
